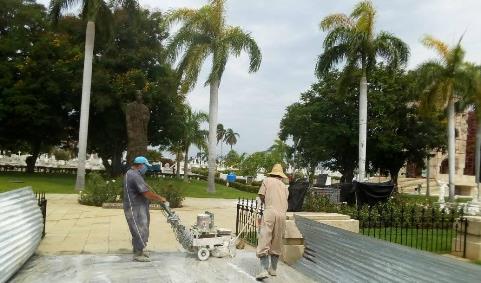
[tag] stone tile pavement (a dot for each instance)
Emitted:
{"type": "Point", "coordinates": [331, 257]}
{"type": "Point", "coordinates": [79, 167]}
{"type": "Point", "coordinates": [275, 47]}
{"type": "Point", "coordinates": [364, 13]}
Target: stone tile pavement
{"type": "Point", "coordinates": [72, 228]}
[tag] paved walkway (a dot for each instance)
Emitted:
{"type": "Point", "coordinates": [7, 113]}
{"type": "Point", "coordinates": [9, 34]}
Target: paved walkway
{"type": "Point", "coordinates": [78, 229]}
{"type": "Point", "coordinates": [165, 267]}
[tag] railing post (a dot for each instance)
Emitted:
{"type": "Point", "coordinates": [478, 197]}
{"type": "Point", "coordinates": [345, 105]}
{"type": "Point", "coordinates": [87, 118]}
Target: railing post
{"type": "Point", "coordinates": [237, 217]}
{"type": "Point", "coordinates": [465, 236]}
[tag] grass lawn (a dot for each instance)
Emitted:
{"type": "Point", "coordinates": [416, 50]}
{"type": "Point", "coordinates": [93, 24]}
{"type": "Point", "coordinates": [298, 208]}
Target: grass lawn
{"type": "Point", "coordinates": [49, 183]}
{"type": "Point", "coordinates": [198, 189]}
{"type": "Point", "coordinates": [435, 240]}
{"type": "Point", "coordinates": [64, 184]}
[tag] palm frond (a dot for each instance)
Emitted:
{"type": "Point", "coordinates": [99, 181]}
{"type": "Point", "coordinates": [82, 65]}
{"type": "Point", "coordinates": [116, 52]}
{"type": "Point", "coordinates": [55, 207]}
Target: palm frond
{"type": "Point", "coordinates": [219, 61]}
{"type": "Point", "coordinates": [239, 41]}
{"type": "Point", "coordinates": [190, 65]}
{"type": "Point", "coordinates": [332, 57]}
{"type": "Point", "coordinates": [337, 36]}
{"type": "Point", "coordinates": [335, 21]}
{"type": "Point", "coordinates": [183, 38]}
{"type": "Point", "coordinates": [57, 6]}
{"type": "Point", "coordinates": [181, 15]}
{"type": "Point", "coordinates": [392, 49]}
{"type": "Point", "coordinates": [365, 13]}
{"type": "Point", "coordinates": [456, 58]}
{"type": "Point", "coordinates": [437, 45]}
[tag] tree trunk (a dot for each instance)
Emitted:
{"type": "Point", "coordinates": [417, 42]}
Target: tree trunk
{"type": "Point", "coordinates": [32, 159]}
{"type": "Point", "coordinates": [214, 92]}
{"type": "Point", "coordinates": [362, 127]}
{"type": "Point", "coordinates": [107, 166]}
{"type": "Point", "coordinates": [186, 164]}
{"type": "Point", "coordinates": [116, 166]}
{"type": "Point", "coordinates": [451, 147]}
{"type": "Point", "coordinates": [177, 164]}
{"type": "Point", "coordinates": [114, 169]}
{"type": "Point", "coordinates": [84, 108]}
{"type": "Point", "coordinates": [394, 172]}
{"type": "Point", "coordinates": [347, 176]}
{"type": "Point", "coordinates": [478, 157]}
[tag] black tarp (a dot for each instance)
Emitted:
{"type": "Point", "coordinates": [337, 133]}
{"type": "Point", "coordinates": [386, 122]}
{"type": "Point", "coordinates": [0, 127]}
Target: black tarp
{"type": "Point", "coordinates": [365, 193]}
{"type": "Point", "coordinates": [348, 193]}
{"type": "Point", "coordinates": [297, 193]}
{"type": "Point", "coordinates": [372, 193]}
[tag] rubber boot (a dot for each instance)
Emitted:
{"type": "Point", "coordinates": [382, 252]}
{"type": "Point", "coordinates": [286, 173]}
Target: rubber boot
{"type": "Point", "coordinates": [273, 268]}
{"type": "Point", "coordinates": [140, 257]}
{"type": "Point", "coordinates": [264, 267]}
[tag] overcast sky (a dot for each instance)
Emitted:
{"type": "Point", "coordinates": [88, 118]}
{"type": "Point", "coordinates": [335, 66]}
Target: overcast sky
{"type": "Point", "coordinates": [288, 34]}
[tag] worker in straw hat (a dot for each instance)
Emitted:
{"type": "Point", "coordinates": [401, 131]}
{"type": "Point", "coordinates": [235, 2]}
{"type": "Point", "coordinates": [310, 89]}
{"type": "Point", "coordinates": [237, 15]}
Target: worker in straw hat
{"type": "Point", "coordinates": [273, 193]}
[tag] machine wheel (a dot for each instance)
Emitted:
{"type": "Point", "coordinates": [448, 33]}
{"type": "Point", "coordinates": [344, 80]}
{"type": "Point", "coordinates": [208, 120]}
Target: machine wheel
{"type": "Point", "coordinates": [203, 254]}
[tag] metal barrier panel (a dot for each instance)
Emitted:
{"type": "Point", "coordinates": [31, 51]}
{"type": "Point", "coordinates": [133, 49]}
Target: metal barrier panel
{"type": "Point", "coordinates": [21, 226]}
{"type": "Point", "coordinates": [336, 255]}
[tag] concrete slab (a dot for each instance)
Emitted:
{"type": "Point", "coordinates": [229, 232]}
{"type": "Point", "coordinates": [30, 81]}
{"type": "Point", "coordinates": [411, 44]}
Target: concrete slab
{"type": "Point", "coordinates": [165, 267]}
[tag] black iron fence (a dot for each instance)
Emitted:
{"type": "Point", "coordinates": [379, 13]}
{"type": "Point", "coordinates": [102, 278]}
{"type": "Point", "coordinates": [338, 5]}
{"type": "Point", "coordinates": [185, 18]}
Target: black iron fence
{"type": "Point", "coordinates": [247, 220]}
{"type": "Point", "coordinates": [42, 203]}
{"type": "Point", "coordinates": [431, 229]}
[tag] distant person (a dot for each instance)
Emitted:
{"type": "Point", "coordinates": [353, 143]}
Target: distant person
{"type": "Point", "coordinates": [136, 206]}
{"type": "Point", "coordinates": [273, 193]}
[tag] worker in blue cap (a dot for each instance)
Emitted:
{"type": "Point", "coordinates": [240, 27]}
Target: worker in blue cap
{"type": "Point", "coordinates": [136, 206]}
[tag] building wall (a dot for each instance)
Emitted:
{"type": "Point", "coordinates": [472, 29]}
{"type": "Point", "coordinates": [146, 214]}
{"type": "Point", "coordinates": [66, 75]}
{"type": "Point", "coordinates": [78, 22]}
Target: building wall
{"type": "Point", "coordinates": [471, 143]}
{"type": "Point", "coordinates": [464, 157]}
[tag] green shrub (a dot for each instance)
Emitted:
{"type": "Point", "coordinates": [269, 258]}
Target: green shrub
{"type": "Point", "coordinates": [98, 190]}
{"type": "Point", "coordinates": [203, 172]}
{"type": "Point", "coordinates": [174, 194]}
{"type": "Point", "coordinates": [244, 187]}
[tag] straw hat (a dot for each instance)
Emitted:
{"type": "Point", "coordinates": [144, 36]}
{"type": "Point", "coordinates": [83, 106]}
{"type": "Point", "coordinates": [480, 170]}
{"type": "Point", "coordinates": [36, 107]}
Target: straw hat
{"type": "Point", "coordinates": [277, 171]}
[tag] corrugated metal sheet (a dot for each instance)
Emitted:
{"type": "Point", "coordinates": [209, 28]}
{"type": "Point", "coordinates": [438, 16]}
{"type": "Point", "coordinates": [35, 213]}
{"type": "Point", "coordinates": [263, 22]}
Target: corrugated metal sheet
{"type": "Point", "coordinates": [21, 225]}
{"type": "Point", "coordinates": [336, 255]}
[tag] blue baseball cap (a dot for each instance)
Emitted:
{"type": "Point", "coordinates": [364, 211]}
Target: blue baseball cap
{"type": "Point", "coordinates": [141, 160]}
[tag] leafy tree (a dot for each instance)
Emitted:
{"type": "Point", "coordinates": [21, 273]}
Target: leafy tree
{"type": "Point", "coordinates": [323, 126]}
{"type": "Point", "coordinates": [153, 155]}
{"type": "Point", "coordinates": [230, 137]}
{"type": "Point", "coordinates": [323, 123]}
{"type": "Point", "coordinates": [254, 164]}
{"type": "Point", "coordinates": [204, 32]}
{"type": "Point", "coordinates": [445, 81]}
{"type": "Point", "coordinates": [397, 133]}
{"type": "Point", "coordinates": [38, 69]}
{"type": "Point", "coordinates": [234, 159]}
{"type": "Point", "coordinates": [134, 60]}
{"type": "Point", "coordinates": [352, 39]}
{"type": "Point", "coordinates": [92, 11]}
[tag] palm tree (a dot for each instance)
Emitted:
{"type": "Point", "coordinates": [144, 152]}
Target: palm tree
{"type": "Point", "coordinates": [352, 39]}
{"type": "Point", "coordinates": [203, 33]}
{"type": "Point", "coordinates": [220, 135]}
{"type": "Point", "coordinates": [230, 137]}
{"type": "Point", "coordinates": [193, 134]}
{"type": "Point", "coordinates": [92, 11]}
{"type": "Point", "coordinates": [445, 82]}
